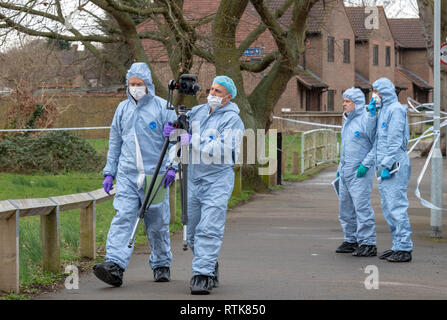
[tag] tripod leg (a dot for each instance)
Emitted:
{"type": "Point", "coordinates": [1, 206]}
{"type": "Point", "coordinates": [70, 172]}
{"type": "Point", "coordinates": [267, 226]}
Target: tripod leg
{"type": "Point", "coordinates": [184, 201]}
{"type": "Point", "coordinates": [148, 193]}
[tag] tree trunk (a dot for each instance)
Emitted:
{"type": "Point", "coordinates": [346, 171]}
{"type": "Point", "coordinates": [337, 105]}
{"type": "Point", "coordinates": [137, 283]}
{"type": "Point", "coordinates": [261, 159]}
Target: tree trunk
{"type": "Point", "coordinates": [426, 13]}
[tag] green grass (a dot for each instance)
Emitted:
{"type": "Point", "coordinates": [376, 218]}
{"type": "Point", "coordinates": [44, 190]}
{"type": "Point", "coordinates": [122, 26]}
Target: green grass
{"type": "Point", "coordinates": [100, 145]}
{"type": "Point", "coordinates": [17, 186]}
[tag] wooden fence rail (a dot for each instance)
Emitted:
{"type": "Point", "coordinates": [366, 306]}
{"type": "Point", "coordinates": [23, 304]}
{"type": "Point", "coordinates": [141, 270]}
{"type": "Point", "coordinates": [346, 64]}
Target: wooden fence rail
{"type": "Point", "coordinates": [49, 211]}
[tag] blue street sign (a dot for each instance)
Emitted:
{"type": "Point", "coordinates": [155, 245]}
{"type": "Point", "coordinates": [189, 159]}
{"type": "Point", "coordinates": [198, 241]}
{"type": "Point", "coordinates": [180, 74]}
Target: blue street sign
{"type": "Point", "coordinates": [253, 52]}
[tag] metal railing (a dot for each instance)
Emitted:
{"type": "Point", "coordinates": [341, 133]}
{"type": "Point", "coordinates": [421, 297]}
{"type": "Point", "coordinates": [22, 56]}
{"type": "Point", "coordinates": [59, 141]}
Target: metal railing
{"type": "Point", "coordinates": [317, 147]}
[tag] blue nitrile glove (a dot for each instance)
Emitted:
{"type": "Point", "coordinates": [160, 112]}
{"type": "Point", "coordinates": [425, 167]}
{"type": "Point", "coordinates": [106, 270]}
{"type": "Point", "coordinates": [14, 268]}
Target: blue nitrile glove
{"type": "Point", "coordinates": [362, 171]}
{"type": "Point", "coordinates": [185, 138]}
{"type": "Point", "coordinates": [385, 174]}
{"type": "Point", "coordinates": [108, 184]}
{"type": "Point", "coordinates": [170, 176]}
{"type": "Point", "coordinates": [168, 129]}
{"type": "Point", "coordinates": [372, 107]}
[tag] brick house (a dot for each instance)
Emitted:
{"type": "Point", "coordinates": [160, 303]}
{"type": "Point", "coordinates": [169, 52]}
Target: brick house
{"type": "Point", "coordinates": [412, 69]}
{"type": "Point", "coordinates": [329, 56]}
{"type": "Point", "coordinates": [374, 47]}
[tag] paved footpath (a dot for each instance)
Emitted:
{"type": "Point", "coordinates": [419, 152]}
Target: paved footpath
{"type": "Point", "coordinates": [281, 246]}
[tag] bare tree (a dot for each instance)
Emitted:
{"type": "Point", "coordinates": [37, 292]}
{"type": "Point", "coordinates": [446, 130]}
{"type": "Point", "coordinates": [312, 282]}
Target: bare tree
{"type": "Point", "coordinates": [180, 37]}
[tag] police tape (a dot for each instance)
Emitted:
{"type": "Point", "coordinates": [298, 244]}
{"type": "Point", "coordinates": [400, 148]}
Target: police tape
{"type": "Point", "coordinates": [427, 121]}
{"type": "Point", "coordinates": [279, 118]}
{"type": "Point", "coordinates": [54, 129]}
{"type": "Point", "coordinates": [424, 135]}
{"type": "Point", "coordinates": [309, 123]}
{"type": "Point", "coordinates": [417, 193]}
{"type": "Point", "coordinates": [317, 124]}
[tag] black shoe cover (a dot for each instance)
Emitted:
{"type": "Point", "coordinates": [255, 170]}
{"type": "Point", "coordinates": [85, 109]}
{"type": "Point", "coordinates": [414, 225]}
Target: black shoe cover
{"type": "Point", "coordinates": [347, 247]}
{"type": "Point", "coordinates": [365, 251]}
{"type": "Point", "coordinates": [162, 274]}
{"type": "Point", "coordinates": [216, 276]}
{"type": "Point", "coordinates": [400, 256]}
{"type": "Point", "coordinates": [386, 254]}
{"type": "Point", "coordinates": [109, 272]}
{"type": "Point", "coordinates": [201, 284]}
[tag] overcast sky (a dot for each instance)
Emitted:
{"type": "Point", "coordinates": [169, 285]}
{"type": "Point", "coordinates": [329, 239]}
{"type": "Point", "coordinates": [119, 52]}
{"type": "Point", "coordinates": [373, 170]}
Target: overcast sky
{"type": "Point", "coordinates": [393, 8]}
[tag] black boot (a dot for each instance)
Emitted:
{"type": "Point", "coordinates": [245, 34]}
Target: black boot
{"type": "Point", "coordinates": [162, 274]}
{"type": "Point", "coordinates": [346, 247]}
{"type": "Point", "coordinates": [365, 251]}
{"type": "Point", "coordinates": [400, 256]}
{"type": "Point", "coordinates": [109, 272]}
{"type": "Point", "coordinates": [386, 254]}
{"type": "Point", "coordinates": [201, 284]}
{"type": "Point", "coordinates": [216, 276]}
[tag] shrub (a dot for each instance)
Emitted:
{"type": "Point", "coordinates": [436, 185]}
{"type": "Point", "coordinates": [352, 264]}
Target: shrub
{"type": "Point", "coordinates": [52, 152]}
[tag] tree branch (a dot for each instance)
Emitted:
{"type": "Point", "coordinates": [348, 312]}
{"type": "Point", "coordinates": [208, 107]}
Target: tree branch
{"type": "Point", "coordinates": [154, 36]}
{"type": "Point", "coordinates": [277, 32]}
{"type": "Point", "coordinates": [262, 65]}
{"type": "Point", "coordinates": [54, 35]}
{"type": "Point", "coordinates": [245, 44]}
{"type": "Point", "coordinates": [208, 56]}
{"type": "Point", "coordinates": [30, 11]}
{"type": "Point", "coordinates": [140, 11]}
{"type": "Point", "coordinates": [204, 21]}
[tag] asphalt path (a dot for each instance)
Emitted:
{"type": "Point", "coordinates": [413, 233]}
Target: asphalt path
{"type": "Point", "coordinates": [281, 246]}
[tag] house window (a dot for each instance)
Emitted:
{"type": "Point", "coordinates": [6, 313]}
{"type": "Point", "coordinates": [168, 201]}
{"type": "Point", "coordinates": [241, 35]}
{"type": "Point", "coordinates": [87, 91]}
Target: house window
{"type": "Point", "coordinates": [376, 55]}
{"type": "Point", "coordinates": [388, 56]}
{"type": "Point", "coordinates": [330, 100]}
{"type": "Point", "coordinates": [330, 49]}
{"type": "Point", "coordinates": [347, 51]}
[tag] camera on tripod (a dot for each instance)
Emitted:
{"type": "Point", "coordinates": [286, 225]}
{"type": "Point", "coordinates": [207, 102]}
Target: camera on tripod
{"type": "Point", "coordinates": [187, 84]}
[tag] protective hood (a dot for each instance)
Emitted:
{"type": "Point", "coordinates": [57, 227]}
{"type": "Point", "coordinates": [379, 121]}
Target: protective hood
{"type": "Point", "coordinates": [357, 96]}
{"type": "Point", "coordinates": [142, 71]}
{"type": "Point", "coordinates": [386, 89]}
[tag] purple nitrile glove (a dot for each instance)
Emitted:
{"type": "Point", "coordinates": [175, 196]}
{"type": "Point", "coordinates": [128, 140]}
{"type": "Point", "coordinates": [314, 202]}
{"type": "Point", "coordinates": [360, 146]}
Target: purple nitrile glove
{"type": "Point", "coordinates": [185, 138]}
{"type": "Point", "coordinates": [168, 129]}
{"type": "Point", "coordinates": [108, 184]}
{"type": "Point", "coordinates": [170, 176]}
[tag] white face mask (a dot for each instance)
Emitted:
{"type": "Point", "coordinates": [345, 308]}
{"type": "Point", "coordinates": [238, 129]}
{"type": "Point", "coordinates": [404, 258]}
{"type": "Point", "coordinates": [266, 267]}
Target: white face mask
{"type": "Point", "coordinates": [214, 101]}
{"type": "Point", "coordinates": [137, 92]}
{"type": "Point", "coordinates": [376, 97]}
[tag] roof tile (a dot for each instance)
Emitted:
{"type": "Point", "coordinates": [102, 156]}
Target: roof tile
{"type": "Point", "coordinates": [408, 33]}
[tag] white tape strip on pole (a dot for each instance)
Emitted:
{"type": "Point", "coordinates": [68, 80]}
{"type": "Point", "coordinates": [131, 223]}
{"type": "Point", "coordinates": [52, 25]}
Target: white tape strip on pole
{"type": "Point", "coordinates": [53, 129]}
{"type": "Point", "coordinates": [424, 202]}
{"type": "Point", "coordinates": [309, 123]}
{"type": "Point", "coordinates": [423, 136]}
{"type": "Point", "coordinates": [427, 121]}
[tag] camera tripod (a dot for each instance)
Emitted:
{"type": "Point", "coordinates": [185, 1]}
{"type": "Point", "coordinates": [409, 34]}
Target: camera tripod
{"type": "Point", "coordinates": [180, 123]}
